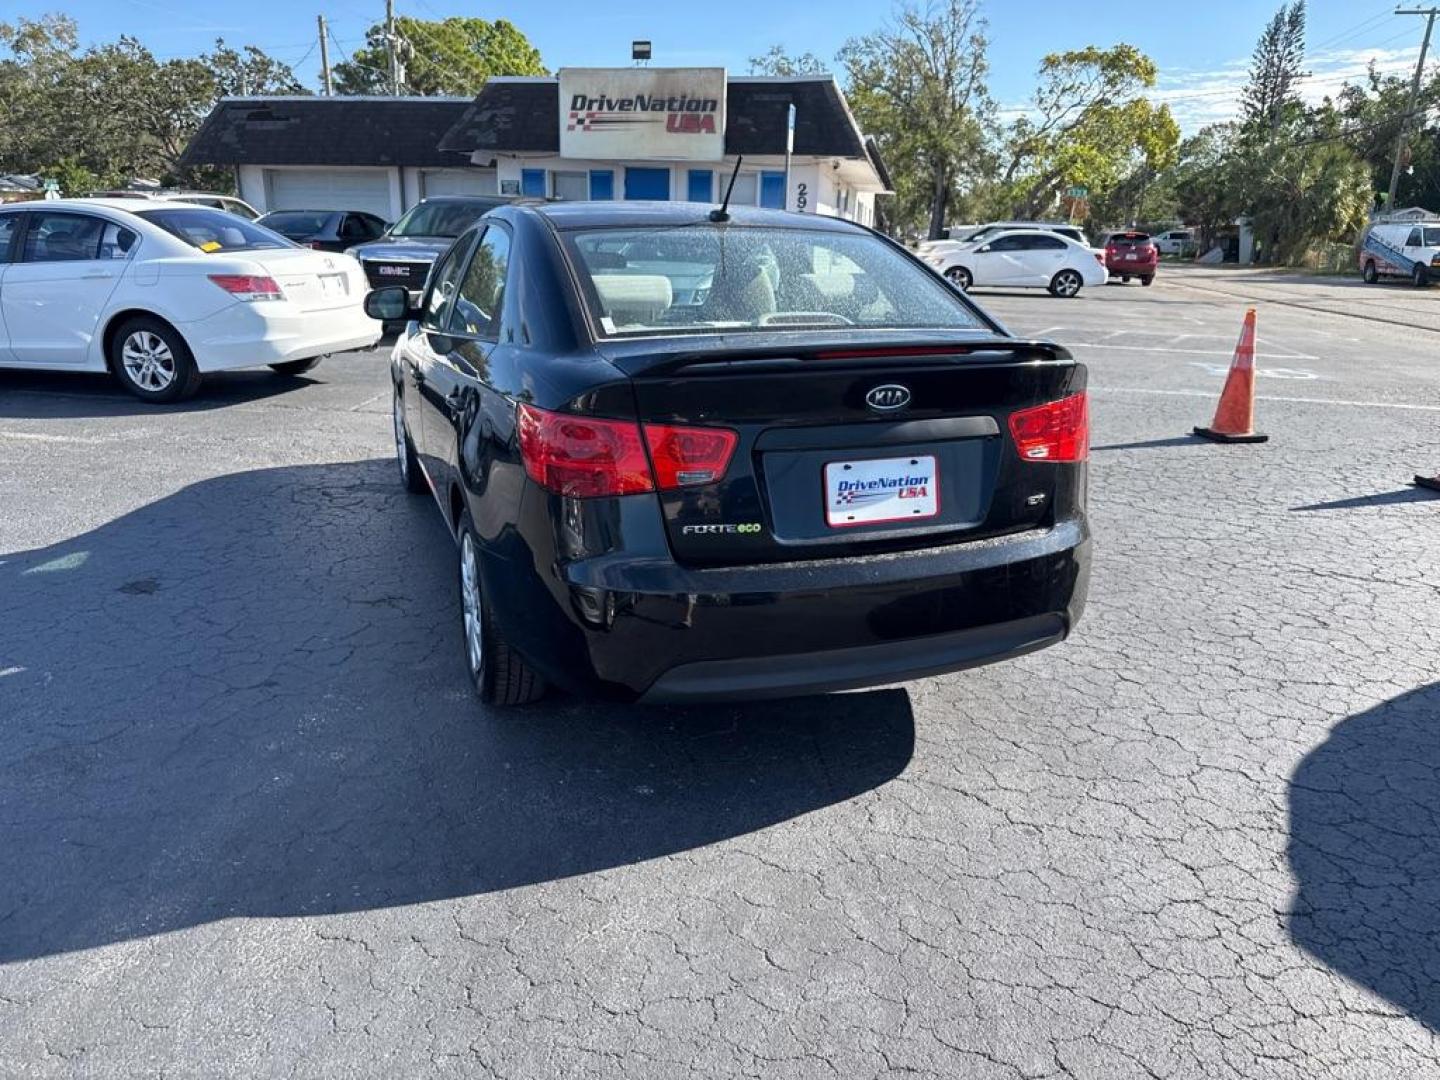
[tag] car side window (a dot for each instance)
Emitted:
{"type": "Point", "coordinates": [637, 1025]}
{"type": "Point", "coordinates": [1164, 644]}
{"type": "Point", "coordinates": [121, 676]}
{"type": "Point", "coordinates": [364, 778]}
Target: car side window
{"type": "Point", "coordinates": [7, 234]}
{"type": "Point", "coordinates": [117, 242]}
{"type": "Point", "coordinates": [1413, 240]}
{"type": "Point", "coordinates": [354, 227]}
{"type": "Point", "coordinates": [443, 279]}
{"type": "Point", "coordinates": [63, 238]}
{"type": "Point", "coordinates": [1042, 242]}
{"type": "Point", "coordinates": [481, 297]}
{"type": "Point", "coordinates": [1009, 243]}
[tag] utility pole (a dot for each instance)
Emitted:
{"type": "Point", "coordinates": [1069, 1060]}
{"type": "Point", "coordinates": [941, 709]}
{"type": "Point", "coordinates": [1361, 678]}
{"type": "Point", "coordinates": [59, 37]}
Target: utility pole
{"type": "Point", "coordinates": [325, 55]}
{"type": "Point", "coordinates": [1430, 14]}
{"type": "Point", "coordinates": [390, 43]}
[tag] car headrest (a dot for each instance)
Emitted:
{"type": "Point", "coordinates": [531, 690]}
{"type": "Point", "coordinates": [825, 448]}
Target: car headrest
{"type": "Point", "coordinates": [633, 298]}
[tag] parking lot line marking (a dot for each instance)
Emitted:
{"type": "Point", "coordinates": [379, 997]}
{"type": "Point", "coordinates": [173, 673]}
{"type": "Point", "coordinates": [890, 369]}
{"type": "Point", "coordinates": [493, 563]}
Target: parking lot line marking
{"type": "Point", "coordinates": [1269, 397]}
{"type": "Point", "coordinates": [1185, 352]}
{"type": "Point", "coordinates": [368, 400]}
{"type": "Point", "coordinates": [82, 440]}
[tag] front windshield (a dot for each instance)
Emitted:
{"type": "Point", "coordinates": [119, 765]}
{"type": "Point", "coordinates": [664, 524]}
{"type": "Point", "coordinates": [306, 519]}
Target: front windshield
{"type": "Point", "coordinates": [706, 278]}
{"type": "Point", "coordinates": [438, 219]}
{"type": "Point", "coordinates": [213, 230]}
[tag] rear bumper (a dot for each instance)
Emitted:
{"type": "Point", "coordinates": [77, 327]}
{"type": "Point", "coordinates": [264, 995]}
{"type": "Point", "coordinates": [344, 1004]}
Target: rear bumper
{"type": "Point", "coordinates": [652, 630]}
{"type": "Point", "coordinates": [252, 335]}
{"type": "Point", "coordinates": [1118, 267]}
{"type": "Point", "coordinates": [792, 674]}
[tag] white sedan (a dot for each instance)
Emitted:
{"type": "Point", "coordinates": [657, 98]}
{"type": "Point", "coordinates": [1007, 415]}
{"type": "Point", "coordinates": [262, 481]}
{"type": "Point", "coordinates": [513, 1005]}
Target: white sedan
{"type": "Point", "coordinates": [1027, 258]}
{"type": "Point", "coordinates": [159, 293]}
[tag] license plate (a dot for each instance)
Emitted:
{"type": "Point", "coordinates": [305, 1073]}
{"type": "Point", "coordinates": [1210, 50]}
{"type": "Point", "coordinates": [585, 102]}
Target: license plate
{"type": "Point", "coordinates": [882, 489]}
{"type": "Point", "coordinates": [332, 285]}
{"type": "Point", "coordinates": [1132, 255]}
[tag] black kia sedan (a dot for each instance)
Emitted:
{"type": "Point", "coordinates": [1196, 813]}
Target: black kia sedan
{"type": "Point", "coordinates": [691, 460]}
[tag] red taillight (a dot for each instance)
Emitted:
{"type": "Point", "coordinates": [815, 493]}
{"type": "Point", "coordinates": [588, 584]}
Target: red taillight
{"type": "Point", "coordinates": [583, 456]}
{"type": "Point", "coordinates": [1055, 431]}
{"type": "Point", "coordinates": [684, 456]}
{"type": "Point", "coordinates": [248, 287]}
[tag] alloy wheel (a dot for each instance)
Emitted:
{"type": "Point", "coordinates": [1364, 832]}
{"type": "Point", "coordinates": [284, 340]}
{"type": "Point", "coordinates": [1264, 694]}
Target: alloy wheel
{"type": "Point", "coordinates": [1068, 283]}
{"type": "Point", "coordinates": [148, 361]}
{"type": "Point", "coordinates": [470, 602]}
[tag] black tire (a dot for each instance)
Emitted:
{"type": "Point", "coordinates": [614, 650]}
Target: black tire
{"type": "Point", "coordinates": [1125, 281]}
{"type": "Point", "coordinates": [411, 478]}
{"type": "Point", "coordinates": [959, 277]}
{"type": "Point", "coordinates": [295, 367]}
{"type": "Point", "coordinates": [1420, 276]}
{"type": "Point", "coordinates": [500, 676]}
{"type": "Point", "coordinates": [1147, 279]}
{"type": "Point", "coordinates": [1370, 274]}
{"type": "Point", "coordinates": [153, 374]}
{"type": "Point", "coordinates": [1066, 284]}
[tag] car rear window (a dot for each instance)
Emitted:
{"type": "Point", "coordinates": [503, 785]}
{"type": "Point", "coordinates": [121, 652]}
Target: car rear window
{"type": "Point", "coordinates": [299, 222]}
{"type": "Point", "coordinates": [704, 278]}
{"type": "Point", "coordinates": [440, 219]}
{"type": "Point", "coordinates": [213, 230]}
{"type": "Point", "coordinates": [1130, 238]}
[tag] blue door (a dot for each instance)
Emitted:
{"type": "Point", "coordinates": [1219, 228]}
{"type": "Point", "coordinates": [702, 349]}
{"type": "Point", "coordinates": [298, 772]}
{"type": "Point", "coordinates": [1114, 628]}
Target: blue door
{"type": "Point", "coordinates": [647, 183]}
{"type": "Point", "coordinates": [772, 190]}
{"type": "Point", "coordinates": [532, 182]}
{"type": "Point", "coordinates": [602, 184]}
{"type": "Point", "coordinates": [701, 185]}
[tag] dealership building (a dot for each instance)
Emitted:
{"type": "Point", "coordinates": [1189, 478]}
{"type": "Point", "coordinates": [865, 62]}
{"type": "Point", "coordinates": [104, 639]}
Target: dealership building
{"type": "Point", "coordinates": [586, 133]}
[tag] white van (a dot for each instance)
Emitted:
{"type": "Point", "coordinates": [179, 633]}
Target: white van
{"type": "Point", "coordinates": [1402, 249]}
{"type": "Point", "coordinates": [1174, 242]}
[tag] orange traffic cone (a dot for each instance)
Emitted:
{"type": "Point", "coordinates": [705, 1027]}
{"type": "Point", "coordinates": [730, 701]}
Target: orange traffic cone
{"type": "Point", "coordinates": [1235, 415]}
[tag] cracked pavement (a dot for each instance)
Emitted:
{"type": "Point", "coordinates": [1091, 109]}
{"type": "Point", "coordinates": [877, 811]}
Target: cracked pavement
{"type": "Point", "coordinates": [252, 822]}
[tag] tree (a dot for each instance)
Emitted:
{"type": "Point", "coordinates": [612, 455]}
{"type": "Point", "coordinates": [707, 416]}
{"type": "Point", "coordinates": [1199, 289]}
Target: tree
{"type": "Point", "coordinates": [452, 56]}
{"type": "Point", "coordinates": [1091, 125]}
{"type": "Point", "coordinates": [918, 86]}
{"type": "Point", "coordinates": [776, 61]}
{"type": "Point", "coordinates": [1275, 68]}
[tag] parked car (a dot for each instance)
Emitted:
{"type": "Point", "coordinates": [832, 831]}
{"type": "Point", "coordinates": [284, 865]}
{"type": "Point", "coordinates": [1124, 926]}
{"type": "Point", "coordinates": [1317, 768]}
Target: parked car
{"type": "Point", "coordinates": [325, 230]}
{"type": "Point", "coordinates": [670, 451]}
{"type": "Point", "coordinates": [404, 254]}
{"type": "Point", "coordinates": [228, 203]}
{"type": "Point", "coordinates": [1401, 249]}
{"type": "Point", "coordinates": [955, 239]}
{"type": "Point", "coordinates": [1131, 254]}
{"type": "Point", "coordinates": [1175, 242]}
{"type": "Point", "coordinates": [158, 293]}
{"type": "Point", "coordinates": [1022, 258]}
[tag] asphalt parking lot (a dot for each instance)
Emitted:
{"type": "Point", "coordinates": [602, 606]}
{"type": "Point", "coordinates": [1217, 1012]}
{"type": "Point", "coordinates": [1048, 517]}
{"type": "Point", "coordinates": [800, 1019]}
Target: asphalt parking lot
{"type": "Point", "coordinates": [255, 824]}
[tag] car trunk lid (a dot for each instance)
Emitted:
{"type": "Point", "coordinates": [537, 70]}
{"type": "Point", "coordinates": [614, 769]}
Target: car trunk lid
{"type": "Point", "coordinates": [313, 280]}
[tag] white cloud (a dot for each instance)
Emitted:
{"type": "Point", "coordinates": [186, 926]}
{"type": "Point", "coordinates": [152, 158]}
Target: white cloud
{"type": "Point", "coordinates": [1206, 96]}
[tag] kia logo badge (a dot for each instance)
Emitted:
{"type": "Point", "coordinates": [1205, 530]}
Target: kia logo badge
{"type": "Point", "coordinates": [888, 398]}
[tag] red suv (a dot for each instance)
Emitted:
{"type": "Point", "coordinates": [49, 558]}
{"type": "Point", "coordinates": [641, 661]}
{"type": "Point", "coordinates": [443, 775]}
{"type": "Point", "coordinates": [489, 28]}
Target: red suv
{"type": "Point", "coordinates": [1131, 254]}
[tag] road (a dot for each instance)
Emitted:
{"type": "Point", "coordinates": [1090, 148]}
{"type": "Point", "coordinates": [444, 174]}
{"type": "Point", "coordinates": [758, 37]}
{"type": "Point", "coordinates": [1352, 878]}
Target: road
{"type": "Point", "coordinates": [255, 824]}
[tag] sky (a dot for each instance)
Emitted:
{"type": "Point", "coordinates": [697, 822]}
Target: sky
{"type": "Point", "coordinates": [1202, 47]}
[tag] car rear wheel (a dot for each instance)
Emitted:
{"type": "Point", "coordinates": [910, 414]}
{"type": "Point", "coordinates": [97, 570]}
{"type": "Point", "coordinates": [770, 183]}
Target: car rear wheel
{"type": "Point", "coordinates": [1066, 283]}
{"type": "Point", "coordinates": [152, 361]}
{"type": "Point", "coordinates": [1147, 279]}
{"type": "Point", "coordinates": [959, 277]}
{"type": "Point", "coordinates": [295, 367]}
{"type": "Point", "coordinates": [1370, 274]}
{"type": "Point", "coordinates": [410, 475]}
{"type": "Point", "coordinates": [1421, 277]}
{"type": "Point", "coordinates": [500, 676]}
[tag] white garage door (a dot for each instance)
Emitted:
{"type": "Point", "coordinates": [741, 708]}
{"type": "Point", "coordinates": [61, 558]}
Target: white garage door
{"type": "Point", "coordinates": [457, 182]}
{"type": "Point", "coordinates": [329, 189]}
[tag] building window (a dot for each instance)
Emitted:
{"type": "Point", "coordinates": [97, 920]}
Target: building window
{"type": "Point", "coordinates": [701, 186]}
{"type": "Point", "coordinates": [602, 184]}
{"type": "Point", "coordinates": [772, 190]}
{"type": "Point", "coordinates": [642, 183]}
{"type": "Point", "coordinates": [570, 185]}
{"type": "Point", "coordinates": [532, 182]}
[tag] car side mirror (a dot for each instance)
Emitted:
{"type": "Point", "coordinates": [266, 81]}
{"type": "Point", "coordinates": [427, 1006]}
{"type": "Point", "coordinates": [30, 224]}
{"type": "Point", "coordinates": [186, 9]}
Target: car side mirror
{"type": "Point", "coordinates": [983, 248]}
{"type": "Point", "coordinates": [390, 304]}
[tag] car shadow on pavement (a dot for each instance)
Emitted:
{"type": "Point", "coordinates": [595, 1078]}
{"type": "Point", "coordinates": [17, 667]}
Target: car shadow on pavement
{"type": "Point", "coordinates": [249, 699]}
{"type": "Point", "coordinates": [1383, 498]}
{"type": "Point", "coordinates": [1155, 444]}
{"type": "Point", "coordinates": [1365, 850]}
{"type": "Point", "coordinates": [42, 394]}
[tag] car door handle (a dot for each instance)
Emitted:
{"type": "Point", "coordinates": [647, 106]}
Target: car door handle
{"type": "Point", "coordinates": [97, 275]}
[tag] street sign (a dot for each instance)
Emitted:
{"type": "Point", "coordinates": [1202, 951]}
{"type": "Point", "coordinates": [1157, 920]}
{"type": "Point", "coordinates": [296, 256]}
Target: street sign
{"type": "Point", "coordinates": [1077, 192]}
{"type": "Point", "coordinates": [52, 189]}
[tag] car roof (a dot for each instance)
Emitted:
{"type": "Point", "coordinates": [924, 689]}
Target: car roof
{"type": "Point", "coordinates": [489, 200]}
{"type": "Point", "coordinates": [582, 215]}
